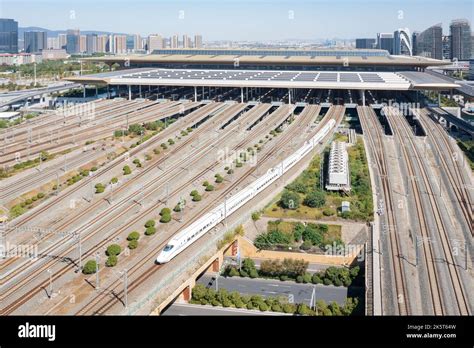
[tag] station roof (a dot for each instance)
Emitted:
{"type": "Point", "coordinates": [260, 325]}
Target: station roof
{"type": "Point", "coordinates": [224, 58]}
{"type": "Point", "coordinates": [268, 79]}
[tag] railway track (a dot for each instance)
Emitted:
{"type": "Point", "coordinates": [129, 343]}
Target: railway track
{"type": "Point", "coordinates": [74, 138]}
{"type": "Point", "coordinates": [141, 216]}
{"type": "Point", "coordinates": [450, 163]}
{"type": "Point", "coordinates": [439, 307]}
{"type": "Point", "coordinates": [110, 296]}
{"type": "Point", "coordinates": [373, 130]}
{"type": "Point", "coordinates": [104, 214]}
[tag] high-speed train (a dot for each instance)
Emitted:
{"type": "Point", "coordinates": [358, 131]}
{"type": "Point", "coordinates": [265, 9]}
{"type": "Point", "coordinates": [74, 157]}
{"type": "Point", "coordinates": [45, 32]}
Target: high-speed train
{"type": "Point", "coordinates": [197, 229]}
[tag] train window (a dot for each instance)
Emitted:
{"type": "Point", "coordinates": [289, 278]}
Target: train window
{"type": "Point", "coordinates": [168, 247]}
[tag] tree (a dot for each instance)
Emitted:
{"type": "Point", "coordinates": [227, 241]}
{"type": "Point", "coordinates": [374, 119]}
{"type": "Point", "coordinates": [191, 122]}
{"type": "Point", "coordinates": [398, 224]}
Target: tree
{"type": "Point", "coordinates": [113, 249]}
{"type": "Point", "coordinates": [150, 231]}
{"type": "Point", "coordinates": [165, 218]}
{"type": "Point", "coordinates": [165, 211]}
{"type": "Point", "coordinates": [133, 236]}
{"type": "Point", "coordinates": [315, 199]}
{"type": "Point", "coordinates": [111, 261]}
{"type": "Point", "coordinates": [290, 200]}
{"type": "Point", "coordinates": [150, 223]}
{"type": "Point", "coordinates": [136, 129]}
{"type": "Point", "coordinates": [89, 267]}
{"type": "Point", "coordinates": [133, 244]}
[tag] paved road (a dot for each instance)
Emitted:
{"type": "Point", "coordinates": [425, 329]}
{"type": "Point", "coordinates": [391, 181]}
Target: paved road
{"type": "Point", "coordinates": [275, 288]}
{"type": "Point", "coordinates": [183, 309]}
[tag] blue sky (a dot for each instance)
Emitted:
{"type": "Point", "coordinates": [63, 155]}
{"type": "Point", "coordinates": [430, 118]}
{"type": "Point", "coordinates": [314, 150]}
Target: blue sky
{"type": "Point", "coordinates": [239, 20]}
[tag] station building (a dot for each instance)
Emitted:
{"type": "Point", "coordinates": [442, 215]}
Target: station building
{"type": "Point", "coordinates": [207, 72]}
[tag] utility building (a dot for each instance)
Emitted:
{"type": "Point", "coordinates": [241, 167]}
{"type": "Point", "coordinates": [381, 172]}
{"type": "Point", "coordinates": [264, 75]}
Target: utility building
{"type": "Point", "coordinates": [338, 168]}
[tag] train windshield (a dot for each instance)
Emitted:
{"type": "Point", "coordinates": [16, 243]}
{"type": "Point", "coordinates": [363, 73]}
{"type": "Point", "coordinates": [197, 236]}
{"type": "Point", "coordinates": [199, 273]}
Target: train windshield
{"type": "Point", "coordinates": [168, 247]}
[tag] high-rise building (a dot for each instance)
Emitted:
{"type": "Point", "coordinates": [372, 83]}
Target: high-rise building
{"type": "Point", "coordinates": [385, 42]}
{"type": "Point", "coordinates": [174, 41]}
{"type": "Point", "coordinates": [197, 41]}
{"type": "Point", "coordinates": [83, 43]}
{"type": "Point", "coordinates": [91, 43]}
{"type": "Point", "coordinates": [8, 36]}
{"type": "Point", "coordinates": [102, 43]}
{"type": "Point", "coordinates": [53, 43]}
{"type": "Point", "coordinates": [35, 41]}
{"type": "Point", "coordinates": [446, 47]}
{"type": "Point", "coordinates": [155, 42]}
{"type": "Point", "coordinates": [472, 46]}
{"type": "Point", "coordinates": [365, 43]}
{"type": "Point", "coordinates": [186, 41]}
{"type": "Point", "coordinates": [402, 42]}
{"type": "Point", "coordinates": [120, 44]}
{"type": "Point", "coordinates": [137, 42]}
{"type": "Point", "coordinates": [460, 31]}
{"type": "Point", "coordinates": [73, 38]}
{"type": "Point", "coordinates": [414, 42]}
{"type": "Point", "coordinates": [429, 43]}
{"type": "Point", "coordinates": [62, 41]}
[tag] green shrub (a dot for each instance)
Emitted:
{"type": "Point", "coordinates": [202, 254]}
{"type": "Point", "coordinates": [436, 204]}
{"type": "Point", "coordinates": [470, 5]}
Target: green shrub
{"type": "Point", "coordinates": [171, 141]}
{"type": "Point", "coordinates": [230, 171]}
{"type": "Point", "coordinates": [307, 278]}
{"type": "Point", "coordinates": [127, 170]}
{"type": "Point", "coordinates": [253, 273]}
{"type": "Point", "coordinates": [114, 180]}
{"type": "Point", "coordinates": [233, 272]}
{"type": "Point", "coordinates": [197, 198]}
{"type": "Point", "coordinates": [133, 244]}
{"type": "Point", "coordinates": [194, 193]}
{"type": "Point", "coordinates": [165, 218]}
{"type": "Point", "coordinates": [329, 212]}
{"type": "Point", "coordinates": [93, 169]}
{"type": "Point", "coordinates": [113, 249]}
{"type": "Point", "coordinates": [111, 261]}
{"type": "Point", "coordinates": [156, 151]}
{"type": "Point", "coordinates": [315, 199]}
{"type": "Point", "coordinates": [263, 307]}
{"type": "Point", "coordinates": [165, 211]}
{"type": "Point", "coordinates": [205, 183]}
{"type": "Point", "coordinates": [289, 200]}
{"type": "Point", "coordinates": [150, 223]}
{"type": "Point", "coordinates": [327, 281]}
{"type": "Point", "coordinates": [315, 279]}
{"type": "Point", "coordinates": [289, 308]}
{"type": "Point", "coordinates": [40, 195]}
{"type": "Point", "coordinates": [89, 267]}
{"type": "Point", "coordinates": [133, 236]}
{"type": "Point", "coordinates": [299, 279]}
{"type": "Point", "coordinates": [209, 188]}
{"type": "Point", "coordinates": [255, 216]}
{"type": "Point", "coordinates": [150, 230]}
{"type": "Point", "coordinates": [34, 198]}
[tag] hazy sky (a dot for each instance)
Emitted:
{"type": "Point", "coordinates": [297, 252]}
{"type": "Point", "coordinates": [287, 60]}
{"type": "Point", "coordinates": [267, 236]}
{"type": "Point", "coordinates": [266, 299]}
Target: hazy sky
{"type": "Point", "coordinates": [239, 20]}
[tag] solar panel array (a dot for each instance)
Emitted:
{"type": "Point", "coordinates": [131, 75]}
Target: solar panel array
{"type": "Point", "coordinates": [243, 75]}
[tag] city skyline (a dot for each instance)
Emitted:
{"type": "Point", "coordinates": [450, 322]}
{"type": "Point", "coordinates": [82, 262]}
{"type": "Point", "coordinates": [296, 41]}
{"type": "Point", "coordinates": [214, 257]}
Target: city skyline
{"type": "Point", "coordinates": [240, 21]}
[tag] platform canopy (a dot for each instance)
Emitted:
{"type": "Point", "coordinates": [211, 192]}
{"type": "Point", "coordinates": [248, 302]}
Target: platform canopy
{"type": "Point", "coordinates": [401, 81]}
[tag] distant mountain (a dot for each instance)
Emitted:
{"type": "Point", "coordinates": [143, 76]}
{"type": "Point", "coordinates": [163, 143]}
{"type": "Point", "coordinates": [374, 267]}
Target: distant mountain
{"type": "Point", "coordinates": [55, 33]}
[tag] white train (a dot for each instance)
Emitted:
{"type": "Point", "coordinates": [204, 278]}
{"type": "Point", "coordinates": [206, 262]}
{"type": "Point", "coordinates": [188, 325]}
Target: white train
{"type": "Point", "coordinates": [198, 228]}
